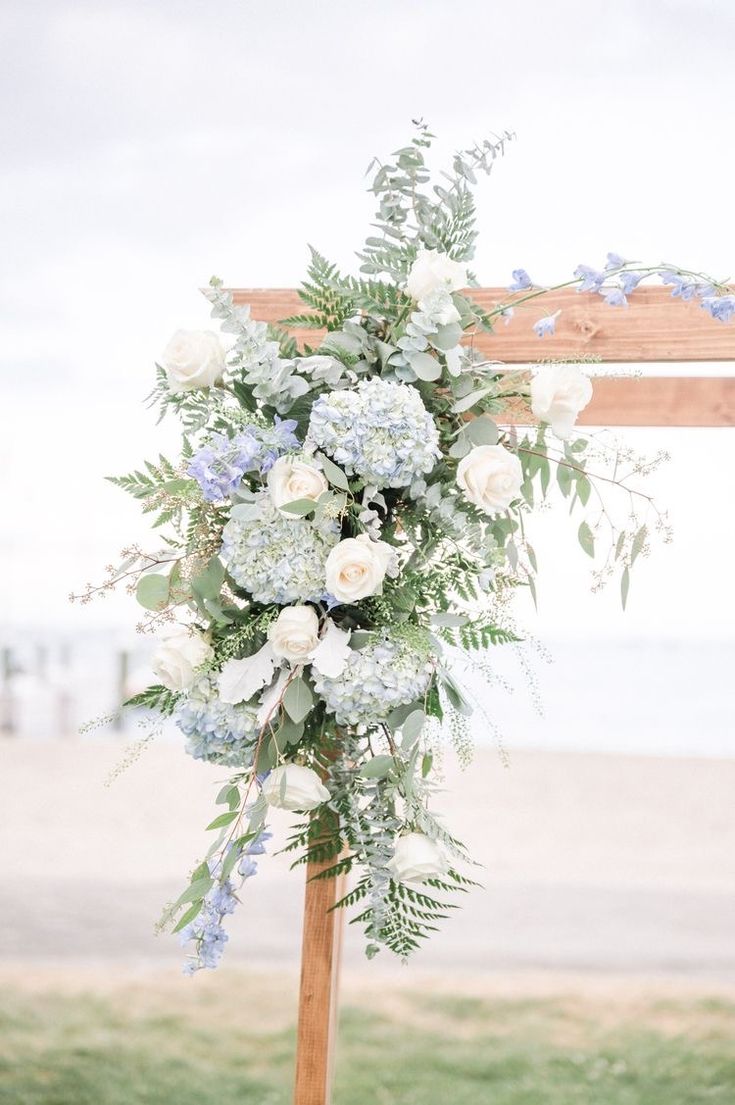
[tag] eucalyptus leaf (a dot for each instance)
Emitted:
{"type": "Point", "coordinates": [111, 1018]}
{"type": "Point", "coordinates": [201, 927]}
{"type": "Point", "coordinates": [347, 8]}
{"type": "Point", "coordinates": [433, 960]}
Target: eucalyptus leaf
{"type": "Point", "coordinates": [222, 820]}
{"type": "Point", "coordinates": [624, 586]}
{"type": "Point", "coordinates": [334, 474]}
{"type": "Point", "coordinates": [413, 725]}
{"type": "Point", "coordinates": [188, 916]}
{"type": "Point", "coordinates": [300, 507]}
{"type": "Point", "coordinates": [297, 699]}
{"type": "Point", "coordinates": [425, 366]}
{"type": "Point", "coordinates": [378, 767]}
{"type": "Point", "coordinates": [470, 400]}
{"type": "Point", "coordinates": [152, 592]}
{"type": "Point", "coordinates": [586, 539]}
{"type": "Point", "coordinates": [208, 584]}
{"type": "Point", "coordinates": [482, 431]}
{"type": "Point", "coordinates": [446, 337]}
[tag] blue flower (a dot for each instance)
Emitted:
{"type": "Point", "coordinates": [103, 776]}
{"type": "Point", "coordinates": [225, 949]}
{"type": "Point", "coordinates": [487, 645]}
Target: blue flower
{"type": "Point", "coordinates": [276, 557]}
{"type": "Point", "coordinates": [615, 261]}
{"type": "Point", "coordinates": [629, 281]}
{"type": "Point", "coordinates": [546, 325]}
{"type": "Point", "coordinates": [379, 677]}
{"type": "Point", "coordinates": [219, 466]}
{"type": "Point", "coordinates": [521, 281]}
{"type": "Point", "coordinates": [380, 431]}
{"type": "Point", "coordinates": [248, 867]}
{"type": "Point", "coordinates": [217, 732]}
{"type": "Point", "coordinates": [591, 279]}
{"type": "Point", "coordinates": [256, 847]}
{"type": "Point", "coordinates": [721, 307]}
{"type": "Point", "coordinates": [615, 297]}
{"type": "Point", "coordinates": [683, 286]}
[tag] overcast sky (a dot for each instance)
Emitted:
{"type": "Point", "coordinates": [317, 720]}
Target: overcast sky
{"type": "Point", "coordinates": [147, 145]}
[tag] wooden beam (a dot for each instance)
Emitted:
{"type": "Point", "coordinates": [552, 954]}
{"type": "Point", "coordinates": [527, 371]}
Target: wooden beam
{"type": "Point", "coordinates": [654, 327]}
{"type": "Point", "coordinates": [320, 961]}
{"type": "Point", "coordinates": [661, 401]}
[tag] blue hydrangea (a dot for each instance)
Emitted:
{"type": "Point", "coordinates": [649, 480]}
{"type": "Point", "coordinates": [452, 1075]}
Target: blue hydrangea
{"type": "Point", "coordinates": [377, 678]}
{"type": "Point", "coordinates": [380, 431]}
{"type": "Point", "coordinates": [278, 558]}
{"type": "Point", "coordinates": [219, 466]}
{"type": "Point", "coordinates": [215, 731]}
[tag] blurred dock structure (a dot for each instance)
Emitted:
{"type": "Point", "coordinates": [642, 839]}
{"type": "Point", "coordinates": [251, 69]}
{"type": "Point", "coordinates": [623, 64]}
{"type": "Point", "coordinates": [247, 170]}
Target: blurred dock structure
{"type": "Point", "coordinates": [51, 688]}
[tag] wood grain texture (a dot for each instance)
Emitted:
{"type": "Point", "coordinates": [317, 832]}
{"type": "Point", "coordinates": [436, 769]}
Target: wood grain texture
{"type": "Point", "coordinates": [320, 961]}
{"type": "Point", "coordinates": [654, 327]}
{"type": "Point", "coordinates": [661, 401]}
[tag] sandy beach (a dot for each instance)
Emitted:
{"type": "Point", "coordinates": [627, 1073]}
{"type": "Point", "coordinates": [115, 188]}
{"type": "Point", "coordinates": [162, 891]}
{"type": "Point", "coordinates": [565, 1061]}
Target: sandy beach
{"type": "Point", "coordinates": [591, 863]}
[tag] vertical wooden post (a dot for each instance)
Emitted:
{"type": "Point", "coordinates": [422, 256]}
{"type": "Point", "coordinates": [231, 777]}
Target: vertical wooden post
{"type": "Point", "coordinates": [320, 961]}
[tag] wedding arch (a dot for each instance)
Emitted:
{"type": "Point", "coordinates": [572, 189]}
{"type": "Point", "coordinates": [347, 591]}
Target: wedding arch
{"type": "Point", "coordinates": [654, 329]}
{"type": "Point", "coordinates": [349, 506]}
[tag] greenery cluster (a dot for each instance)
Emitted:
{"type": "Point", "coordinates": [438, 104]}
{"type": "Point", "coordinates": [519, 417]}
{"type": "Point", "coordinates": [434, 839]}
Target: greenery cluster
{"type": "Point", "coordinates": [456, 562]}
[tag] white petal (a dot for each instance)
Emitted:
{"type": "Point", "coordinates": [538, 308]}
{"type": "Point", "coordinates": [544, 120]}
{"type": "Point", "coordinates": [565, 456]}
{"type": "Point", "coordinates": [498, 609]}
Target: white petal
{"type": "Point", "coordinates": [240, 679]}
{"type": "Point", "coordinates": [271, 697]}
{"type": "Point", "coordinates": [331, 654]}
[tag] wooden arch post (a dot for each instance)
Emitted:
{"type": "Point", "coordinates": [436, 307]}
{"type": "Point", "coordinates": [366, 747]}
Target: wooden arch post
{"type": "Point", "coordinates": [653, 328]}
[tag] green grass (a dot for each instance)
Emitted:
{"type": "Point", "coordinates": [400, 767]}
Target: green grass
{"type": "Point", "coordinates": [230, 1042]}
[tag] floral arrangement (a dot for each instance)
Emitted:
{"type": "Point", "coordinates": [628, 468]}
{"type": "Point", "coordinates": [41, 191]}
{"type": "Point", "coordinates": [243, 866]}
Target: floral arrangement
{"type": "Point", "coordinates": [345, 518]}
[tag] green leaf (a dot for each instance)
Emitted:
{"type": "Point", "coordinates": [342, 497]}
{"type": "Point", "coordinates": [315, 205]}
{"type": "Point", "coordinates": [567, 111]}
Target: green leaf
{"type": "Point", "coordinates": [425, 366]}
{"type": "Point", "coordinates": [297, 700]}
{"type": "Point", "coordinates": [300, 507]}
{"type": "Point", "coordinates": [638, 542]}
{"type": "Point", "coordinates": [624, 586]}
{"type": "Point", "coordinates": [412, 726]}
{"type": "Point", "coordinates": [584, 489]}
{"type": "Point", "coordinates": [152, 591]}
{"type": "Point", "coordinates": [564, 478]}
{"type": "Point", "coordinates": [222, 820]}
{"type": "Point", "coordinates": [192, 912]}
{"type": "Point", "coordinates": [586, 539]}
{"type": "Point", "coordinates": [470, 400]}
{"type": "Point", "coordinates": [397, 717]}
{"type": "Point", "coordinates": [267, 757]}
{"type": "Point", "coordinates": [446, 337]}
{"type": "Point", "coordinates": [377, 768]}
{"type": "Point", "coordinates": [208, 584]}
{"type": "Point", "coordinates": [482, 431]}
{"type": "Point", "coordinates": [426, 764]}
{"type": "Point", "coordinates": [334, 474]}
{"type": "Point", "coordinates": [197, 889]}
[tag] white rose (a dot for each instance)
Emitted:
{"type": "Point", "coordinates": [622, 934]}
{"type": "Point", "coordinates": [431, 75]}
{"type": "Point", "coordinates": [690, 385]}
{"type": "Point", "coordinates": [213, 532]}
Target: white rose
{"type": "Point", "coordinates": [290, 479]}
{"type": "Point", "coordinates": [558, 394]}
{"type": "Point", "coordinates": [439, 306]}
{"type": "Point", "coordinates": [193, 359]}
{"type": "Point", "coordinates": [178, 656]}
{"type": "Point", "coordinates": [490, 477]}
{"type": "Point", "coordinates": [356, 567]}
{"type": "Point", "coordinates": [432, 270]}
{"type": "Point", "coordinates": [294, 787]}
{"type": "Point", "coordinates": [295, 633]}
{"type": "Point", "coordinates": [417, 859]}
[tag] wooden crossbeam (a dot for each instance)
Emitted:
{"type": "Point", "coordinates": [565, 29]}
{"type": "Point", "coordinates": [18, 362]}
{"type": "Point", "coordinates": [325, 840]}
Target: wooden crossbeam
{"type": "Point", "coordinates": [654, 327]}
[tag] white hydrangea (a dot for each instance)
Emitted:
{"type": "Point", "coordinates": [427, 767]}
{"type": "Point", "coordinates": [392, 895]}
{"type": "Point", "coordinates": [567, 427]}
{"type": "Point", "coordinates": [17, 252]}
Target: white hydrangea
{"type": "Point", "coordinates": [376, 679]}
{"type": "Point", "coordinates": [278, 558]}
{"type": "Point", "coordinates": [380, 431]}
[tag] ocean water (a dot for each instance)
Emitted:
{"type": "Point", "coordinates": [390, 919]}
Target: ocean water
{"type": "Point", "coordinates": [640, 697]}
